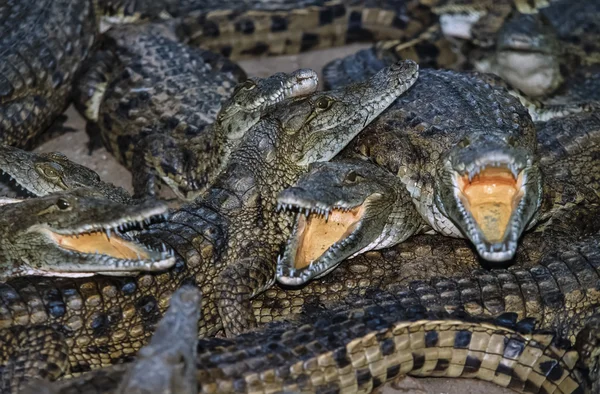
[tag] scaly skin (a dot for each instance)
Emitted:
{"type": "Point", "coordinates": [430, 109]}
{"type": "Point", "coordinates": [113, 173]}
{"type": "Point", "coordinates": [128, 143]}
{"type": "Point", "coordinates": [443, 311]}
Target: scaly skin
{"type": "Point", "coordinates": [74, 234]}
{"type": "Point", "coordinates": [554, 280]}
{"type": "Point", "coordinates": [437, 154]}
{"type": "Point", "coordinates": [533, 49]}
{"type": "Point", "coordinates": [357, 350]}
{"type": "Point", "coordinates": [273, 27]}
{"type": "Point", "coordinates": [226, 244]}
{"type": "Point", "coordinates": [37, 175]}
{"type": "Point", "coordinates": [165, 365]}
{"type": "Point", "coordinates": [42, 44]}
{"type": "Point", "coordinates": [154, 101]}
{"type": "Point", "coordinates": [381, 209]}
{"type": "Point", "coordinates": [346, 207]}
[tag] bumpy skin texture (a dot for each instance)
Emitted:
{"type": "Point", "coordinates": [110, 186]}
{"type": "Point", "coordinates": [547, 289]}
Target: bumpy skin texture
{"type": "Point", "coordinates": [328, 192]}
{"type": "Point", "coordinates": [276, 27]}
{"type": "Point", "coordinates": [49, 236]}
{"type": "Point", "coordinates": [157, 100]}
{"type": "Point", "coordinates": [45, 173]}
{"type": "Point", "coordinates": [226, 243]}
{"type": "Point", "coordinates": [361, 348]}
{"type": "Point", "coordinates": [534, 49]}
{"type": "Point", "coordinates": [165, 365]}
{"type": "Point", "coordinates": [568, 148]}
{"type": "Point", "coordinates": [432, 144]}
{"type": "Point", "coordinates": [42, 43]}
{"type": "Point", "coordinates": [571, 194]}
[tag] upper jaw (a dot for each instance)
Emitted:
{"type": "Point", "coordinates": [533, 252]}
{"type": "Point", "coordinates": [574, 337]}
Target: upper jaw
{"type": "Point", "coordinates": [104, 247]}
{"type": "Point", "coordinates": [346, 240]}
{"type": "Point", "coordinates": [492, 201]}
{"type": "Point", "coordinates": [15, 186]}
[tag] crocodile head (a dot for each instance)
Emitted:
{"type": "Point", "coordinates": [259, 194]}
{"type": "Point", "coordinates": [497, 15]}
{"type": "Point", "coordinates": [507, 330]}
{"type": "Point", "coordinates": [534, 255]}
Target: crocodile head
{"type": "Point", "coordinates": [527, 56]}
{"type": "Point", "coordinates": [318, 126]}
{"type": "Point", "coordinates": [489, 187]}
{"type": "Point", "coordinates": [78, 233]}
{"type": "Point", "coordinates": [186, 167]}
{"type": "Point", "coordinates": [36, 175]}
{"type": "Point", "coordinates": [252, 97]}
{"type": "Point", "coordinates": [343, 211]}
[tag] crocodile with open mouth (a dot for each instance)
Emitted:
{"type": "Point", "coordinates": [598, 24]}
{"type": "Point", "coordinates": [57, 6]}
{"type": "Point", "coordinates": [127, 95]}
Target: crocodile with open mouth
{"type": "Point", "coordinates": [75, 234]}
{"type": "Point", "coordinates": [346, 349]}
{"type": "Point", "coordinates": [349, 206]}
{"type": "Point", "coordinates": [227, 242]}
{"type": "Point", "coordinates": [465, 151]}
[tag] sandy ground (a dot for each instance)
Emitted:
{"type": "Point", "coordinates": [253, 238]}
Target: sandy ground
{"type": "Point", "coordinates": [74, 145]}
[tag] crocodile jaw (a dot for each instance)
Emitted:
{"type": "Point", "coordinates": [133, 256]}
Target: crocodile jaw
{"type": "Point", "coordinates": [322, 237]}
{"type": "Point", "coordinates": [105, 248]}
{"type": "Point", "coordinates": [492, 206]}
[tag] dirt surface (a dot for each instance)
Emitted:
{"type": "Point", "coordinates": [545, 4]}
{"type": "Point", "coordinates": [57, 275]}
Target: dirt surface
{"type": "Point", "coordinates": [74, 145]}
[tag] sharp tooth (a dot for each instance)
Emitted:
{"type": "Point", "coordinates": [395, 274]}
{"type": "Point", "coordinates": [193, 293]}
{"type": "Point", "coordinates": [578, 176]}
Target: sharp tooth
{"type": "Point", "coordinates": [326, 215]}
{"type": "Point", "coordinates": [108, 233]}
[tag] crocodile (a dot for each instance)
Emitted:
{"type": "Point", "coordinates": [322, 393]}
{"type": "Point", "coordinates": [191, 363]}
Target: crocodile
{"type": "Point", "coordinates": [37, 70]}
{"type": "Point", "coordinates": [77, 234]}
{"type": "Point", "coordinates": [350, 351]}
{"type": "Point", "coordinates": [226, 242]}
{"type": "Point", "coordinates": [352, 206]}
{"type": "Point", "coordinates": [486, 158]}
{"type": "Point", "coordinates": [165, 365]}
{"type": "Point", "coordinates": [43, 45]}
{"type": "Point", "coordinates": [154, 101]}
{"type": "Point", "coordinates": [39, 174]}
{"type": "Point", "coordinates": [533, 49]}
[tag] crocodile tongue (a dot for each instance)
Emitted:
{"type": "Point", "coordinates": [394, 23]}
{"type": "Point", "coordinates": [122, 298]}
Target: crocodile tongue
{"type": "Point", "coordinates": [100, 242]}
{"type": "Point", "coordinates": [317, 233]}
{"type": "Point", "coordinates": [491, 197]}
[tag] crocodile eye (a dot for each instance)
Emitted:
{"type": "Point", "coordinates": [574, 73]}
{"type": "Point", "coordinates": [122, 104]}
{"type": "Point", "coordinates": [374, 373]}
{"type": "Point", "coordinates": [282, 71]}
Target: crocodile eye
{"type": "Point", "coordinates": [464, 143]}
{"type": "Point", "coordinates": [49, 172]}
{"type": "Point", "coordinates": [62, 204]}
{"type": "Point", "coordinates": [249, 84]}
{"type": "Point", "coordinates": [324, 103]}
{"type": "Point", "coordinates": [351, 177]}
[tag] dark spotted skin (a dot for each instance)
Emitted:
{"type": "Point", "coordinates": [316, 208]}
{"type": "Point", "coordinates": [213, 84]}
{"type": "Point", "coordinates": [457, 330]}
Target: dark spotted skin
{"type": "Point", "coordinates": [42, 44]}
{"type": "Point", "coordinates": [260, 28]}
{"type": "Point", "coordinates": [106, 320]}
{"type": "Point", "coordinates": [357, 349]}
{"type": "Point", "coordinates": [225, 242]}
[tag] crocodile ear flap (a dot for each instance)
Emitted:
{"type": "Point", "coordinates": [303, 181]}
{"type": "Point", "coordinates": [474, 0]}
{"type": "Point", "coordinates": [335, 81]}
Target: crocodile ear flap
{"type": "Point", "coordinates": [8, 200]}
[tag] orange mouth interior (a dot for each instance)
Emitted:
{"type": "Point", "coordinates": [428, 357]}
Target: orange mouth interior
{"type": "Point", "coordinates": [491, 197]}
{"type": "Point", "coordinates": [99, 242]}
{"type": "Point", "coordinates": [316, 235]}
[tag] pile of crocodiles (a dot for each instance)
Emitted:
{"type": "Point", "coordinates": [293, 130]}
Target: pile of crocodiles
{"type": "Point", "coordinates": [434, 212]}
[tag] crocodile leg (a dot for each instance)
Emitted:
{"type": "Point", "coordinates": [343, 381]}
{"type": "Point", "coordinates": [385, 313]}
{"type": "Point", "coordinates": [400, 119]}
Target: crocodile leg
{"type": "Point", "coordinates": [251, 276]}
{"type": "Point", "coordinates": [37, 351]}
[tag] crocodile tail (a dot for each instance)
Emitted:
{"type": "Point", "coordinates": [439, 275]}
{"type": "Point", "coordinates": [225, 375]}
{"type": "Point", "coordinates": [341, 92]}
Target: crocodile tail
{"type": "Point", "coordinates": [272, 30]}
